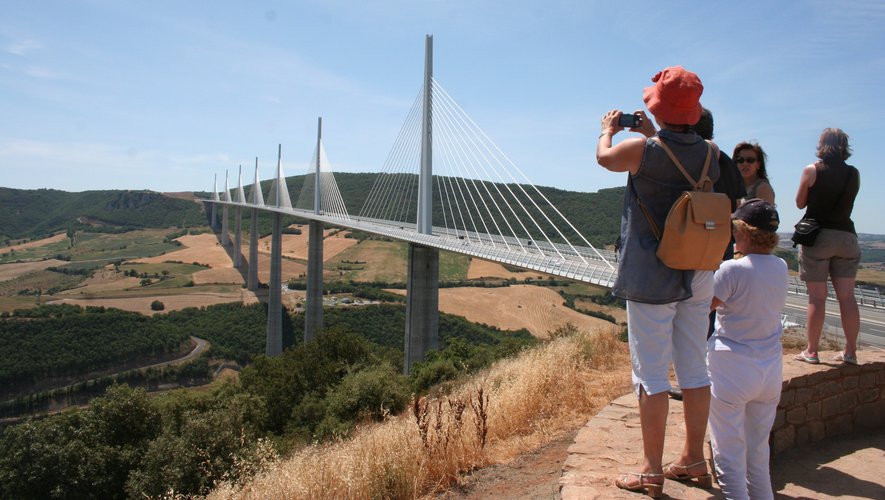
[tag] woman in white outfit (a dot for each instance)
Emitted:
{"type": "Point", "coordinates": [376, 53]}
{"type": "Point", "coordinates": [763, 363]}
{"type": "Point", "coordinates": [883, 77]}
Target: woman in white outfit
{"type": "Point", "coordinates": [744, 356]}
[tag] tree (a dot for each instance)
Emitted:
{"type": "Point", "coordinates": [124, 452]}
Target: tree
{"type": "Point", "coordinates": [157, 306]}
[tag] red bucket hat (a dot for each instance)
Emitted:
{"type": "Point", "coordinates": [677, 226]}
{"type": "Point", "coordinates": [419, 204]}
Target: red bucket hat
{"type": "Point", "coordinates": [675, 97]}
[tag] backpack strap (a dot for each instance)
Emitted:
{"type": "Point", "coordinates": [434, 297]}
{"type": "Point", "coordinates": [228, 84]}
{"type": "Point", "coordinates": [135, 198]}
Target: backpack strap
{"type": "Point", "coordinates": [703, 183]}
{"type": "Point", "coordinates": [651, 221]}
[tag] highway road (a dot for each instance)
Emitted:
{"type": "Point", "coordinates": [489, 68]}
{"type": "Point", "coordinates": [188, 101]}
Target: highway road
{"type": "Point", "coordinates": [872, 320]}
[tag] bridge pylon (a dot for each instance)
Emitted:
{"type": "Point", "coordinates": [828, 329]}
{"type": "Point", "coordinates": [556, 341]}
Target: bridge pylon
{"type": "Point", "coordinates": [422, 286]}
{"type": "Point", "coordinates": [313, 309]}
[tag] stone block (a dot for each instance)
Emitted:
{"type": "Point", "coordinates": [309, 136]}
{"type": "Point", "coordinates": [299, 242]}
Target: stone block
{"type": "Point", "coordinates": [828, 388]}
{"type": "Point", "coordinates": [784, 439]}
{"type": "Point", "coordinates": [851, 382]}
{"type": "Point", "coordinates": [788, 397]}
{"type": "Point", "coordinates": [818, 378]}
{"type": "Point", "coordinates": [848, 399]}
{"type": "Point", "coordinates": [779, 418]}
{"type": "Point", "coordinates": [839, 425]}
{"type": "Point", "coordinates": [812, 410]}
{"type": "Point", "coordinates": [795, 383]}
{"type": "Point", "coordinates": [796, 416]}
{"type": "Point", "coordinates": [848, 370]}
{"type": "Point", "coordinates": [816, 430]}
{"type": "Point", "coordinates": [868, 395]}
{"type": "Point", "coordinates": [804, 395]}
{"type": "Point", "coordinates": [870, 416]}
{"type": "Point", "coordinates": [868, 380]}
{"type": "Point", "coordinates": [803, 435]}
{"type": "Point", "coordinates": [831, 406]}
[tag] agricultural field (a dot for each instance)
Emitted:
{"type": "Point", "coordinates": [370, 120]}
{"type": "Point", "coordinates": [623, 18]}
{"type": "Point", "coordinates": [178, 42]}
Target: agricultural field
{"type": "Point", "coordinates": [131, 270]}
{"type": "Point", "coordinates": [537, 309]}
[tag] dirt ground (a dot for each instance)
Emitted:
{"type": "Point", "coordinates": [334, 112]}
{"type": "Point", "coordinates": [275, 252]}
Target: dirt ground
{"type": "Point", "coordinates": [14, 270]}
{"type": "Point", "coordinates": [295, 245]}
{"type": "Point", "coordinates": [35, 243]}
{"type": "Point", "coordinates": [533, 475]}
{"type": "Point", "coordinates": [143, 304]}
{"type": "Point", "coordinates": [484, 269]}
{"type": "Point", "coordinates": [200, 248]}
{"type": "Point", "coordinates": [537, 309]}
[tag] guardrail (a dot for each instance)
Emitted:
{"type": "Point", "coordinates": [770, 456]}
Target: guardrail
{"type": "Point", "coordinates": [865, 296]}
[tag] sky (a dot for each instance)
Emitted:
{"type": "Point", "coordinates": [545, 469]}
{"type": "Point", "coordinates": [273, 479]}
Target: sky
{"type": "Point", "coordinates": [164, 95]}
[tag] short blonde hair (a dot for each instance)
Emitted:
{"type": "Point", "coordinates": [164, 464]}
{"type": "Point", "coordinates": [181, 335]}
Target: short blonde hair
{"type": "Point", "coordinates": [759, 238]}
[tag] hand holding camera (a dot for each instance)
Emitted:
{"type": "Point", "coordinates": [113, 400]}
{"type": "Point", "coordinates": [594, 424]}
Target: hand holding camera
{"type": "Point", "coordinates": [630, 120]}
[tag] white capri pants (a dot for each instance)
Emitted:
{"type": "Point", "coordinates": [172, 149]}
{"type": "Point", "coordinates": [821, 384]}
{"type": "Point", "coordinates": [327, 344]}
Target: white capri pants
{"type": "Point", "coordinates": [677, 332]}
{"type": "Point", "coordinates": [745, 392]}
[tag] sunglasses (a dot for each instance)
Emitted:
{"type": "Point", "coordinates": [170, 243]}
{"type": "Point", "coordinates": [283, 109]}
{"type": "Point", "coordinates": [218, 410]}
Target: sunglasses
{"type": "Point", "coordinates": [742, 160]}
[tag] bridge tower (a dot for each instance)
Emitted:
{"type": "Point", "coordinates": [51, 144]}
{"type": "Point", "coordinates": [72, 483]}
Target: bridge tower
{"type": "Point", "coordinates": [238, 224]}
{"type": "Point", "coordinates": [213, 221]}
{"type": "Point", "coordinates": [279, 197]}
{"type": "Point", "coordinates": [313, 312]}
{"type": "Point", "coordinates": [257, 199]}
{"type": "Point", "coordinates": [225, 228]}
{"type": "Point", "coordinates": [422, 282]}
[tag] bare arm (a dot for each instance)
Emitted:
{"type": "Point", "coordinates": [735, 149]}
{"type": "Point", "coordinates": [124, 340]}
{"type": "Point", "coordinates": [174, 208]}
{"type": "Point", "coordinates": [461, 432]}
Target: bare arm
{"type": "Point", "coordinates": [627, 155]}
{"type": "Point", "coordinates": [716, 303]}
{"type": "Point", "coordinates": [765, 192]}
{"type": "Point", "coordinates": [809, 175]}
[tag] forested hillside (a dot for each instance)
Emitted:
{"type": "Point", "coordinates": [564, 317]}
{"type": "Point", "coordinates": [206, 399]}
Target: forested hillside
{"type": "Point", "coordinates": [127, 444]}
{"type": "Point", "coordinates": [595, 215]}
{"type": "Point", "coordinates": [37, 213]}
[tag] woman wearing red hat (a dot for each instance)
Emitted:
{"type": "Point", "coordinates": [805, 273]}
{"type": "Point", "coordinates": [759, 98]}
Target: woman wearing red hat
{"type": "Point", "coordinates": [667, 309]}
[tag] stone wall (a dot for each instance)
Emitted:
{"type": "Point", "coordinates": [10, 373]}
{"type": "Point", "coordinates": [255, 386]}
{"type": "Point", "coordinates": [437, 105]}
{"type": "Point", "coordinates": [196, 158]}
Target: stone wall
{"type": "Point", "coordinates": [829, 399]}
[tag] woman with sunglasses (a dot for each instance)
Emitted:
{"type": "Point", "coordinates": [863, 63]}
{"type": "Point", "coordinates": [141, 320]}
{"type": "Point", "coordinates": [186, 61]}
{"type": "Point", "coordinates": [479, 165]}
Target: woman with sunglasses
{"type": "Point", "coordinates": [750, 160]}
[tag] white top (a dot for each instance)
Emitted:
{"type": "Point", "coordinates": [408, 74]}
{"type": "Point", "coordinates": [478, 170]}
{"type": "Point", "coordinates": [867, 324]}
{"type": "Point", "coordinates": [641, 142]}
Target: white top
{"type": "Point", "coordinates": [754, 292]}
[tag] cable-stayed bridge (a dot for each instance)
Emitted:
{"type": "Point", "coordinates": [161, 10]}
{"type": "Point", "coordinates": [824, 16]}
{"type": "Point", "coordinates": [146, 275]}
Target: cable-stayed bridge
{"type": "Point", "coordinates": [445, 185]}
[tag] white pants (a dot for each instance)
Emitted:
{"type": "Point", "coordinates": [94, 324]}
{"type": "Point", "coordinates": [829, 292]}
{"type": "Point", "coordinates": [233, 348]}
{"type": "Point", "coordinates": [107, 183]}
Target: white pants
{"type": "Point", "coordinates": [745, 393]}
{"type": "Point", "coordinates": [677, 332]}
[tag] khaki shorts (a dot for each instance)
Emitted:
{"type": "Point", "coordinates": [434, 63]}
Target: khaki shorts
{"type": "Point", "coordinates": [835, 253]}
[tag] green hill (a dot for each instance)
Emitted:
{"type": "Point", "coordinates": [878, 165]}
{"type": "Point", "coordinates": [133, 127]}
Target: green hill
{"type": "Point", "coordinates": [37, 213]}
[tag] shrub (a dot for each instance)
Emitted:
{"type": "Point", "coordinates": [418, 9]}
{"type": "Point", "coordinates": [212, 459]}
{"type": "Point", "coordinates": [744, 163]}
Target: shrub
{"type": "Point", "coordinates": [368, 393]}
{"type": "Point", "coordinates": [157, 306]}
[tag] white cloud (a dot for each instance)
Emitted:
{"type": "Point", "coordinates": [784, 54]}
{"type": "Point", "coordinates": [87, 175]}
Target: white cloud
{"type": "Point", "coordinates": [22, 47]}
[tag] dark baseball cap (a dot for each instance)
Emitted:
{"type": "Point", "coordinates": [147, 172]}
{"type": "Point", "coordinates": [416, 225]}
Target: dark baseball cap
{"type": "Point", "coordinates": [759, 214]}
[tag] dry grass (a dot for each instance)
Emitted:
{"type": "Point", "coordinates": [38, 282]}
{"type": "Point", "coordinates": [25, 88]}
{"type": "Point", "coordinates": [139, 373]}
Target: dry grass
{"type": "Point", "coordinates": [142, 304]}
{"type": "Point", "coordinates": [199, 248]}
{"type": "Point", "coordinates": [35, 244]}
{"type": "Point", "coordinates": [506, 410]}
{"type": "Point", "coordinates": [537, 309]}
{"type": "Point", "coordinates": [14, 270]}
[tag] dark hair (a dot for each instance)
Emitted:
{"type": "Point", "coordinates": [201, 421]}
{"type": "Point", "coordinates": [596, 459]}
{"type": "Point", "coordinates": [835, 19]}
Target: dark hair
{"type": "Point", "coordinates": [833, 143]}
{"type": "Point", "coordinates": [760, 156]}
{"type": "Point", "coordinates": [677, 127]}
{"type": "Point", "coordinates": [704, 126]}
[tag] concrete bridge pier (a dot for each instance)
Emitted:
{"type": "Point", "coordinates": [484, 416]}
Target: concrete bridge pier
{"type": "Point", "coordinates": [225, 237]}
{"type": "Point", "coordinates": [274, 345]}
{"type": "Point", "coordinates": [313, 311]}
{"type": "Point", "coordinates": [422, 304]}
{"type": "Point", "coordinates": [252, 276]}
{"type": "Point", "coordinates": [238, 237]}
{"type": "Point", "coordinates": [213, 216]}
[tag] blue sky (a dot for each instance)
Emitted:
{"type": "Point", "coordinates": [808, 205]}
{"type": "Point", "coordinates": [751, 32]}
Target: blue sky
{"type": "Point", "coordinates": [162, 95]}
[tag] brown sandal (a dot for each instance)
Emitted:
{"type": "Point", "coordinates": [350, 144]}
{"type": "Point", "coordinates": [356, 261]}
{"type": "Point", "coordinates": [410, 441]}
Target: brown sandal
{"type": "Point", "coordinates": [647, 483]}
{"type": "Point", "coordinates": [680, 473]}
